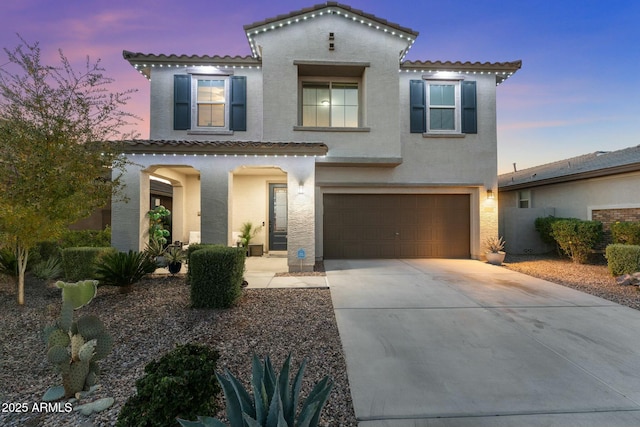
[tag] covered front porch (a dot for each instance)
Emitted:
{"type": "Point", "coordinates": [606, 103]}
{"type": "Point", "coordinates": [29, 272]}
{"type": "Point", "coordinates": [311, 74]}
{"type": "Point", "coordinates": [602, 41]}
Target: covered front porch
{"type": "Point", "coordinates": [219, 186]}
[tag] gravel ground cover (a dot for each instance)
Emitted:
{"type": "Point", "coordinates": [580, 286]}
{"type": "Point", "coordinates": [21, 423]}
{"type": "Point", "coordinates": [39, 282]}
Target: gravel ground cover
{"type": "Point", "coordinates": [151, 320]}
{"type": "Point", "coordinates": [593, 279]}
{"type": "Point", "coordinates": [148, 322]}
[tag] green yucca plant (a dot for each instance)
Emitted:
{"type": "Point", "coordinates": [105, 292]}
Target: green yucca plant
{"type": "Point", "coordinates": [49, 269]}
{"type": "Point", "coordinates": [124, 268]}
{"type": "Point", "coordinates": [275, 399]}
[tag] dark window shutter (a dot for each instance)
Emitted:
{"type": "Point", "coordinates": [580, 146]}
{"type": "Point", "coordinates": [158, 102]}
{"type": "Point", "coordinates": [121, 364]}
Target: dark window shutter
{"type": "Point", "coordinates": [469, 108]}
{"type": "Point", "coordinates": [238, 111]}
{"type": "Point", "coordinates": [182, 102]}
{"type": "Point", "coordinates": [417, 101]}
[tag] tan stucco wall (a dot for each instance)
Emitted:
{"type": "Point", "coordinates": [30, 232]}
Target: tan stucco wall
{"type": "Point", "coordinates": [576, 199]}
{"type": "Point", "coordinates": [250, 200]}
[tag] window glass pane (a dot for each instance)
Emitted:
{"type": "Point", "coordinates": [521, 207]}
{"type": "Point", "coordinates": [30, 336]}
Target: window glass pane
{"type": "Point", "coordinates": [351, 96]}
{"type": "Point", "coordinates": [351, 116]}
{"type": "Point", "coordinates": [323, 116]}
{"type": "Point", "coordinates": [211, 115]}
{"type": "Point", "coordinates": [211, 91]}
{"type": "Point", "coordinates": [442, 119]}
{"type": "Point", "coordinates": [442, 95]}
{"type": "Point", "coordinates": [337, 96]}
{"type": "Point", "coordinates": [323, 104]}
{"type": "Point", "coordinates": [309, 115]}
{"type": "Point", "coordinates": [337, 116]}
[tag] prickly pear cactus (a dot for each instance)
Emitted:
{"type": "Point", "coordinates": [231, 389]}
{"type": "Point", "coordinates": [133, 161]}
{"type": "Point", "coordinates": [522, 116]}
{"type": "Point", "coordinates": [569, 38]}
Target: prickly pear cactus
{"type": "Point", "coordinates": [74, 347]}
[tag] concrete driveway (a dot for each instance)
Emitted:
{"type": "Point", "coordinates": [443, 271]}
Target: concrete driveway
{"type": "Point", "coordinates": [464, 343]}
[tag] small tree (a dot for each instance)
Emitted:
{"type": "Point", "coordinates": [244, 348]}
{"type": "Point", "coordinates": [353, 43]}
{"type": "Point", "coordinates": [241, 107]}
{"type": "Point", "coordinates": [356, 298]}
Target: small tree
{"type": "Point", "coordinates": [55, 164]}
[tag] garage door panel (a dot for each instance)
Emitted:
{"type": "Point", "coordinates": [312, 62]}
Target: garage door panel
{"type": "Point", "coordinates": [400, 225]}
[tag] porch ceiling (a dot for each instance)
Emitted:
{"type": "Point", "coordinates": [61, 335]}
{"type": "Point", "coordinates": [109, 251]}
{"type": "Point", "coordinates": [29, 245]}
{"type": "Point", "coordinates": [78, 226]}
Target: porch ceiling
{"type": "Point", "coordinates": [147, 146]}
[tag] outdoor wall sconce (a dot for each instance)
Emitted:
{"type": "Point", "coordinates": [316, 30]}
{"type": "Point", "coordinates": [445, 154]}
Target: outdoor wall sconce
{"type": "Point", "coordinates": [490, 195]}
{"type": "Point", "coordinates": [301, 188]}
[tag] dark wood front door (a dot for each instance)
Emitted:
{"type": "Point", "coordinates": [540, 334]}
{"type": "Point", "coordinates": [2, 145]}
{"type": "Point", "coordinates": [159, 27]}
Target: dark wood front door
{"type": "Point", "coordinates": [278, 217]}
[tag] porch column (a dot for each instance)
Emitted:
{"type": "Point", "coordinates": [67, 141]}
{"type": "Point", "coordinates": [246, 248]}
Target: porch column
{"type": "Point", "coordinates": [214, 205]}
{"type": "Point", "coordinates": [301, 215]}
{"type": "Point", "coordinates": [129, 222]}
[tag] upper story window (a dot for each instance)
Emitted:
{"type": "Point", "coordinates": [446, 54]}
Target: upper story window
{"type": "Point", "coordinates": [443, 104]}
{"type": "Point", "coordinates": [330, 96]}
{"type": "Point", "coordinates": [330, 104]}
{"type": "Point", "coordinates": [209, 103]}
{"type": "Point", "coordinates": [442, 107]}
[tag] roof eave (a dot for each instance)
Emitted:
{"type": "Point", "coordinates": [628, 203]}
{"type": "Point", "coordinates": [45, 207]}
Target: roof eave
{"type": "Point", "coordinates": [239, 148]}
{"type": "Point", "coordinates": [616, 170]}
{"type": "Point", "coordinates": [501, 70]}
{"type": "Point", "coordinates": [144, 62]}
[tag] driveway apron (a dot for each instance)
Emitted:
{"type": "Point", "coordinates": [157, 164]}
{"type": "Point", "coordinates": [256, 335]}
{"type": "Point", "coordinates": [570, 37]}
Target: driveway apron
{"type": "Point", "coordinates": [463, 343]}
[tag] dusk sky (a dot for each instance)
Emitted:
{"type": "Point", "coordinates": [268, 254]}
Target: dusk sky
{"type": "Point", "coordinates": [575, 94]}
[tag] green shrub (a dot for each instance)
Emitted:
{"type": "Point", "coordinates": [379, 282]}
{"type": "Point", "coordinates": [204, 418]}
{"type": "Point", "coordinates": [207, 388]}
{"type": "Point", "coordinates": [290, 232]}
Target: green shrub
{"type": "Point", "coordinates": [85, 238]}
{"type": "Point", "coordinates": [49, 249]}
{"type": "Point", "coordinates": [216, 276]}
{"type": "Point", "coordinates": [124, 268]}
{"type": "Point", "coordinates": [577, 238]}
{"type": "Point", "coordinates": [8, 262]}
{"type": "Point", "coordinates": [182, 383]}
{"type": "Point", "coordinates": [627, 233]}
{"type": "Point", "coordinates": [196, 247]}
{"type": "Point", "coordinates": [543, 227]}
{"type": "Point", "coordinates": [80, 263]}
{"type": "Point", "coordinates": [623, 259]}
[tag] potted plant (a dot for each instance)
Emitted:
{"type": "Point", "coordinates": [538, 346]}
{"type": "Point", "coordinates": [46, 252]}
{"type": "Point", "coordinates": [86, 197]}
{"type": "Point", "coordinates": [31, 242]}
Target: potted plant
{"type": "Point", "coordinates": [175, 257]}
{"type": "Point", "coordinates": [247, 233]}
{"type": "Point", "coordinates": [495, 254]}
{"type": "Point", "coordinates": [156, 250]}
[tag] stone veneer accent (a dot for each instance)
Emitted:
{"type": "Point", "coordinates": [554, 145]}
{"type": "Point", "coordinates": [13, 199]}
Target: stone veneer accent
{"type": "Point", "coordinates": [610, 216]}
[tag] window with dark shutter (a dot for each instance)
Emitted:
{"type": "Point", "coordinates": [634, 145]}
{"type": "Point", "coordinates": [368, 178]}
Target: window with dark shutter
{"type": "Point", "coordinates": [469, 107]}
{"type": "Point", "coordinates": [417, 101]}
{"type": "Point", "coordinates": [238, 112]}
{"type": "Point", "coordinates": [182, 102]}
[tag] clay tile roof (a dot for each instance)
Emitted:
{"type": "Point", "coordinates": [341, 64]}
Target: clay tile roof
{"type": "Point", "coordinates": [331, 4]}
{"type": "Point", "coordinates": [181, 147]}
{"type": "Point", "coordinates": [502, 70]}
{"type": "Point", "coordinates": [600, 163]}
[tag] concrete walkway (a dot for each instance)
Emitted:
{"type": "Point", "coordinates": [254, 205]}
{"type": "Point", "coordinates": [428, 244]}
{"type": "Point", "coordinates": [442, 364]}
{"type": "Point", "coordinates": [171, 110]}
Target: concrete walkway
{"type": "Point", "coordinates": [463, 343]}
{"type": "Point", "coordinates": [260, 272]}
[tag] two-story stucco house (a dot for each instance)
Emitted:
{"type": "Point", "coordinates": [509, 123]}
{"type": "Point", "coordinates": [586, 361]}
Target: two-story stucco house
{"type": "Point", "coordinates": [325, 135]}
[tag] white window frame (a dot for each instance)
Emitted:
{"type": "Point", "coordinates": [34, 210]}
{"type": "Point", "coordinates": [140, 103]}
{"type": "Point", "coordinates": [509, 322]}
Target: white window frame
{"type": "Point", "coordinates": [194, 101]}
{"type": "Point", "coordinates": [457, 105]}
{"type": "Point", "coordinates": [329, 80]}
{"type": "Point", "coordinates": [524, 196]}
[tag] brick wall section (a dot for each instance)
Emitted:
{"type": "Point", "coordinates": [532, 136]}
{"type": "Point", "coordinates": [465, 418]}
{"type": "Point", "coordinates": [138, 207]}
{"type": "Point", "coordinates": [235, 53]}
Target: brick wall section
{"type": "Point", "coordinates": [609, 216]}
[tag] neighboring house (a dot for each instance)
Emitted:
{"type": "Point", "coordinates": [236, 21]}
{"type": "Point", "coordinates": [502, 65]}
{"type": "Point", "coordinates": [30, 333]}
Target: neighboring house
{"type": "Point", "coordinates": [327, 137]}
{"type": "Point", "coordinates": [603, 186]}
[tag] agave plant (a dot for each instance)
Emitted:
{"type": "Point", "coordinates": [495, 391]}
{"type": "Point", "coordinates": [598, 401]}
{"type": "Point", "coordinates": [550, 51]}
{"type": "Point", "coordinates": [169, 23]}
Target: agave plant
{"type": "Point", "coordinates": [275, 399]}
{"type": "Point", "coordinates": [49, 269]}
{"type": "Point", "coordinates": [124, 268]}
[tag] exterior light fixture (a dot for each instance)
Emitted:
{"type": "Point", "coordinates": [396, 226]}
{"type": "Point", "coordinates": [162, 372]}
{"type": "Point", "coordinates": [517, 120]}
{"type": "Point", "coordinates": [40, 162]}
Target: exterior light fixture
{"type": "Point", "coordinates": [490, 195]}
{"type": "Point", "coordinates": [301, 188]}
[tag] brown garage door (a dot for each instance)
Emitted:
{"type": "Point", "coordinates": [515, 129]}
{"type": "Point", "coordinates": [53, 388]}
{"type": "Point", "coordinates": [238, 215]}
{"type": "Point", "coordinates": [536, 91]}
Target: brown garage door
{"type": "Point", "coordinates": [396, 226]}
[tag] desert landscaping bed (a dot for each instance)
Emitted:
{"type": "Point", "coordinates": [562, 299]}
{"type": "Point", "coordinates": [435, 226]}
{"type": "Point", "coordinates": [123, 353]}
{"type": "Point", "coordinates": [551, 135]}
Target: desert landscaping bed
{"type": "Point", "coordinates": [150, 321]}
{"type": "Point", "coordinates": [592, 278]}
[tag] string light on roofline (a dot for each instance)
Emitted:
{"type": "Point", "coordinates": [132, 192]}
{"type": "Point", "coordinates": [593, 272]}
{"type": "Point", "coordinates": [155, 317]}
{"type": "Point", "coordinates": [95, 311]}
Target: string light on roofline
{"type": "Point", "coordinates": [315, 14]}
